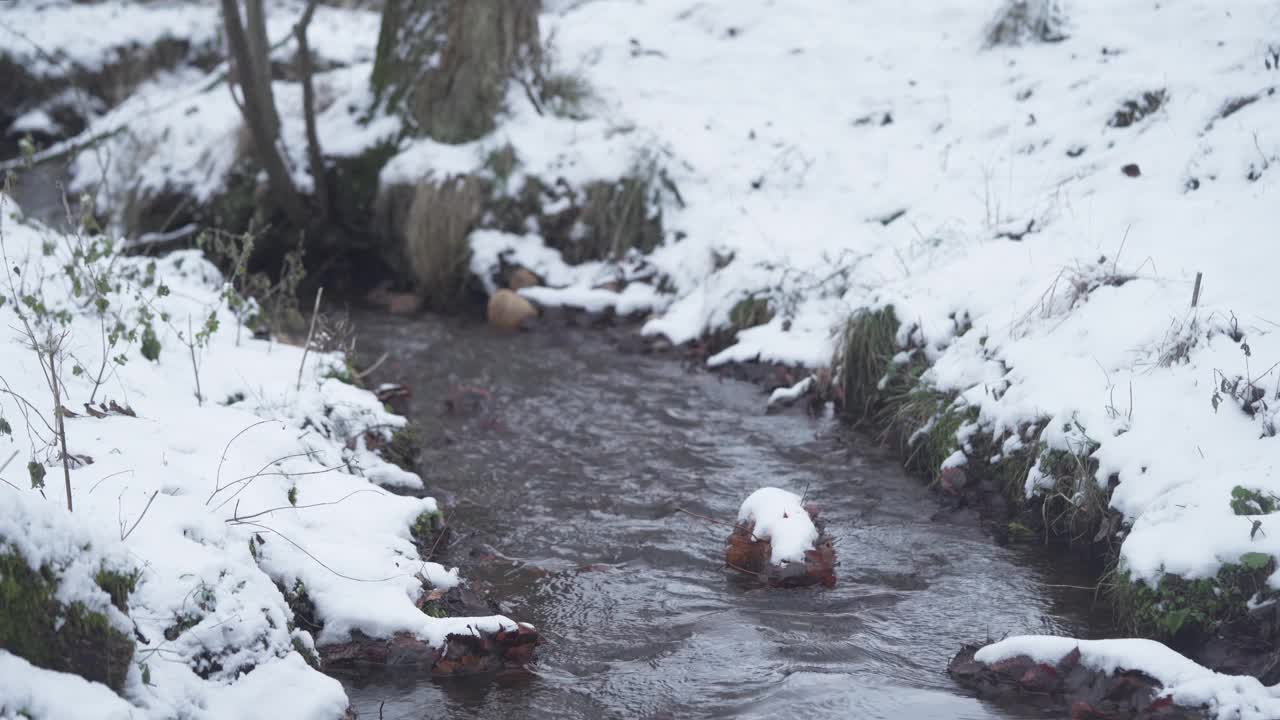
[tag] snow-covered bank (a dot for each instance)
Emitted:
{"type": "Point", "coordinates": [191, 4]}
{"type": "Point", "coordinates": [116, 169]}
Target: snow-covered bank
{"type": "Point", "coordinates": [1097, 677]}
{"type": "Point", "coordinates": [233, 475]}
{"type": "Point", "coordinates": [1036, 216]}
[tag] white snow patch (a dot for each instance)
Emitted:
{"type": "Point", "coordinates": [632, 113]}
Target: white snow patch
{"type": "Point", "coordinates": [790, 394]}
{"type": "Point", "coordinates": [47, 695]}
{"type": "Point", "coordinates": [781, 519]}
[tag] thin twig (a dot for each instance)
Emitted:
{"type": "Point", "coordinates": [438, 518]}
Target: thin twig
{"type": "Point", "coordinates": [432, 552]}
{"type": "Point", "coordinates": [5, 465]}
{"type": "Point", "coordinates": [714, 520]}
{"type": "Point", "coordinates": [108, 477]}
{"type": "Point", "coordinates": [150, 500]}
{"type": "Point", "coordinates": [217, 480]}
{"type": "Point", "coordinates": [320, 562]}
{"type": "Point", "coordinates": [315, 310]}
{"type": "Point", "coordinates": [238, 519]}
{"type": "Point", "coordinates": [58, 414]}
{"type": "Point", "coordinates": [360, 374]}
{"type": "Point", "coordinates": [708, 519]}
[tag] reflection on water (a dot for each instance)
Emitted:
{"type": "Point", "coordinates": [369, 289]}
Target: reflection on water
{"type": "Point", "coordinates": [566, 484]}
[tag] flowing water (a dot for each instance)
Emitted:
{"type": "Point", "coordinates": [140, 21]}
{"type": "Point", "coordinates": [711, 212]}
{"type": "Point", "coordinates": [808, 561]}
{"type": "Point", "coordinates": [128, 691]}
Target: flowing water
{"type": "Point", "coordinates": [565, 484]}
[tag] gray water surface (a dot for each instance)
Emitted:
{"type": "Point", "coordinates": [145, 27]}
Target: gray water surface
{"type": "Point", "coordinates": [564, 490]}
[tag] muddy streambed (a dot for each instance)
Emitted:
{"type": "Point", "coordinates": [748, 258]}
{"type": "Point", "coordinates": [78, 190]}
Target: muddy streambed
{"type": "Point", "coordinates": [565, 484]}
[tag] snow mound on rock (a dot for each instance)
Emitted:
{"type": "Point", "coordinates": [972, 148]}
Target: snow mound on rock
{"type": "Point", "coordinates": [781, 519]}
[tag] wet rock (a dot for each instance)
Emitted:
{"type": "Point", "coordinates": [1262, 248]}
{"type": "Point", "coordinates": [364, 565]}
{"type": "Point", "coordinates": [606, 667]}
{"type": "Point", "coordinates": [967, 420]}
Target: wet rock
{"type": "Point", "coordinates": [396, 303]}
{"type": "Point", "coordinates": [459, 655]}
{"type": "Point", "coordinates": [1085, 693]}
{"type": "Point", "coordinates": [466, 401]}
{"type": "Point", "coordinates": [509, 311]}
{"type": "Point", "coordinates": [520, 278]}
{"type": "Point", "coordinates": [746, 553]}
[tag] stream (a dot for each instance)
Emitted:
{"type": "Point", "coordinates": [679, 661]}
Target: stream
{"type": "Point", "coordinates": [564, 486]}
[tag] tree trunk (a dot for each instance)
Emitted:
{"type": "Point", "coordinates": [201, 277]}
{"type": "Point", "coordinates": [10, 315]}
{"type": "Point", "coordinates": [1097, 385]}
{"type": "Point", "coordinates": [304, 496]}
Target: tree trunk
{"type": "Point", "coordinates": [260, 54]}
{"type": "Point", "coordinates": [261, 118]}
{"type": "Point", "coordinates": [445, 64]}
{"type": "Point", "coordinates": [315, 158]}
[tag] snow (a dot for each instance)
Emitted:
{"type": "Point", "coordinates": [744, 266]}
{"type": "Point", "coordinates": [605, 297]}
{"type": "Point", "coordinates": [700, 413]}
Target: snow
{"type": "Point", "coordinates": [50, 38]}
{"type": "Point", "coordinates": [1073, 280]}
{"type": "Point", "coordinates": [1227, 696]}
{"type": "Point", "coordinates": [33, 693]}
{"type": "Point", "coordinates": [790, 394]}
{"type": "Point", "coordinates": [780, 518]}
{"type": "Point", "coordinates": [977, 191]}
{"type": "Point", "coordinates": [265, 483]}
{"type": "Point", "coordinates": [34, 121]}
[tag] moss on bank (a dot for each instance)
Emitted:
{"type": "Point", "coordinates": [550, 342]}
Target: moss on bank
{"type": "Point", "coordinates": [429, 531]}
{"type": "Point", "coordinates": [883, 388]}
{"type": "Point", "coordinates": [35, 626]}
{"type": "Point", "coordinates": [1185, 613]}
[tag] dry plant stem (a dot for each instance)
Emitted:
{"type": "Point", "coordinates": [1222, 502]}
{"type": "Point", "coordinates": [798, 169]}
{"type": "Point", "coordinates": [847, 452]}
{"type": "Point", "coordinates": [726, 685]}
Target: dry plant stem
{"type": "Point", "coordinates": [217, 479]}
{"type": "Point", "coordinates": [713, 520]}
{"type": "Point", "coordinates": [320, 562]}
{"type": "Point", "coordinates": [362, 374]}
{"type": "Point", "coordinates": [238, 519]}
{"type": "Point", "coordinates": [62, 429]}
{"type": "Point", "coordinates": [125, 536]}
{"type": "Point", "coordinates": [432, 552]}
{"type": "Point", "coordinates": [195, 366]}
{"type": "Point", "coordinates": [5, 465]}
{"type": "Point", "coordinates": [315, 310]}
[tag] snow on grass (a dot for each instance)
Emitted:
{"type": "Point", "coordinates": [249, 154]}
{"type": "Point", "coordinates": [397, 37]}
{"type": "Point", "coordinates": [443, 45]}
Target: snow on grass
{"type": "Point", "coordinates": [31, 692]}
{"type": "Point", "coordinates": [227, 501]}
{"type": "Point", "coordinates": [1188, 684]}
{"type": "Point", "coordinates": [780, 518]}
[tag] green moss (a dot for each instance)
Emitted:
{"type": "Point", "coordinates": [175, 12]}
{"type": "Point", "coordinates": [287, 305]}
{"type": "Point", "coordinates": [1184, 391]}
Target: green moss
{"type": "Point", "coordinates": [34, 625]}
{"type": "Point", "coordinates": [118, 585]}
{"type": "Point", "coordinates": [750, 312]}
{"type": "Point", "coordinates": [403, 447]}
{"type": "Point", "coordinates": [304, 609]}
{"type": "Point", "coordinates": [434, 609]}
{"type": "Point", "coordinates": [1186, 612]}
{"type": "Point", "coordinates": [308, 654]}
{"type": "Point", "coordinates": [425, 527]}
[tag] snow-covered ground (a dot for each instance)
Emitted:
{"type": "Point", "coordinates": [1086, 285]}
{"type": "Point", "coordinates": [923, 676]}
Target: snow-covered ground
{"type": "Point", "coordinates": [263, 482]}
{"type": "Point", "coordinates": [1037, 215]}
